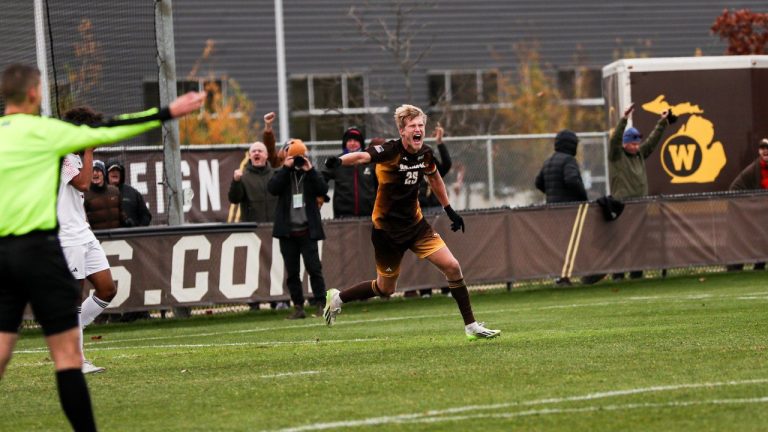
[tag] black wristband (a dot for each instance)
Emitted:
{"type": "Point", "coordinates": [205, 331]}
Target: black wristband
{"type": "Point", "coordinates": [164, 114]}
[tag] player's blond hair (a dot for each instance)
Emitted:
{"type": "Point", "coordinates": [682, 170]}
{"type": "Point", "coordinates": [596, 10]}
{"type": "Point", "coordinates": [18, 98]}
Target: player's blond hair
{"type": "Point", "coordinates": [406, 112]}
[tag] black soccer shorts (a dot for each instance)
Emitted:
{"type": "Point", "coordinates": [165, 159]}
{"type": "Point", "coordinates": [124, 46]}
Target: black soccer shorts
{"type": "Point", "coordinates": [33, 271]}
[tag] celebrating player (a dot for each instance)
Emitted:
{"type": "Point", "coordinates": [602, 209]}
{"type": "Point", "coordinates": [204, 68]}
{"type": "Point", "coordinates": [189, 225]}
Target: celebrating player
{"type": "Point", "coordinates": [398, 224]}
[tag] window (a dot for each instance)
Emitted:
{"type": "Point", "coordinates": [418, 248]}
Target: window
{"type": "Point", "coordinates": [476, 89]}
{"type": "Point", "coordinates": [580, 86]}
{"type": "Point", "coordinates": [323, 106]}
{"type": "Point", "coordinates": [152, 91]}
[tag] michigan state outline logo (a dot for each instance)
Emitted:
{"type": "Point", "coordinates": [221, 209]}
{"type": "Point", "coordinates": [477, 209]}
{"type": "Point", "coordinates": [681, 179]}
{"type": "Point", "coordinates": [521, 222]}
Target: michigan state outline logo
{"type": "Point", "coordinates": [689, 155]}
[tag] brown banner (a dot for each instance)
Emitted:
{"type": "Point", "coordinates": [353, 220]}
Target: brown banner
{"type": "Point", "coordinates": [159, 267]}
{"type": "Point", "coordinates": [721, 119]}
{"type": "Point", "coordinates": [206, 176]}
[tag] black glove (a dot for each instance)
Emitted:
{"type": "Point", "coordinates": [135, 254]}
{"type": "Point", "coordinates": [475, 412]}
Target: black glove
{"type": "Point", "coordinates": [671, 118]}
{"type": "Point", "coordinates": [333, 162]}
{"type": "Point", "coordinates": [457, 222]}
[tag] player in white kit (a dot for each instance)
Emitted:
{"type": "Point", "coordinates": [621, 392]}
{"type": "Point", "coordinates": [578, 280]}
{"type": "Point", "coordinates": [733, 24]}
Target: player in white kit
{"type": "Point", "coordinates": [85, 257]}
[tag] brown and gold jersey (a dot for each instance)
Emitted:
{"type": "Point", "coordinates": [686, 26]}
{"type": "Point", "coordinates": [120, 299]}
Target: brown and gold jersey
{"type": "Point", "coordinates": [399, 172]}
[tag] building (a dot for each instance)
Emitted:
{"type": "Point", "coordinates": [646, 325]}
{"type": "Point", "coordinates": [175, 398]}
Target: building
{"type": "Point", "coordinates": [337, 77]}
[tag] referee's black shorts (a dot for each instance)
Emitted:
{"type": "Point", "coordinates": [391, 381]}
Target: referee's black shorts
{"type": "Point", "coordinates": [33, 270]}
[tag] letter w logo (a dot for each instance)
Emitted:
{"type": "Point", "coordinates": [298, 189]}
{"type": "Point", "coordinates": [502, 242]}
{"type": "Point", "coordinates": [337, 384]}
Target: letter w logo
{"type": "Point", "coordinates": [682, 155]}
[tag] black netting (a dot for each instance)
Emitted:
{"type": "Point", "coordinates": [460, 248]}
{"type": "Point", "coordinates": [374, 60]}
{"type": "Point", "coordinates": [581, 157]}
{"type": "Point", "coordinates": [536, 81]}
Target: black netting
{"type": "Point", "coordinates": [17, 31]}
{"type": "Point", "coordinates": [103, 54]}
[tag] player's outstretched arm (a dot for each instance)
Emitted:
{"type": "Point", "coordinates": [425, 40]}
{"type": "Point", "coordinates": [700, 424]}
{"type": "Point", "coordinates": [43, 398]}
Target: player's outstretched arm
{"type": "Point", "coordinates": [355, 158]}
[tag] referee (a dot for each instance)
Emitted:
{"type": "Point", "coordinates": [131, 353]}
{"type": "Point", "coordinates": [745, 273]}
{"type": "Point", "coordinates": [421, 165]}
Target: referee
{"type": "Point", "coordinates": [32, 267]}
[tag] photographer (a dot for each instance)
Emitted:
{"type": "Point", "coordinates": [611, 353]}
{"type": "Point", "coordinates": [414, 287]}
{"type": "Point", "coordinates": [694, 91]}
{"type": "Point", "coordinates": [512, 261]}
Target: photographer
{"type": "Point", "coordinates": [297, 223]}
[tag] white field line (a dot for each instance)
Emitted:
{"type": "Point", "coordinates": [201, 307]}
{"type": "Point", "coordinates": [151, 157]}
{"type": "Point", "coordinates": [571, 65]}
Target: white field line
{"type": "Point", "coordinates": [593, 408]}
{"type": "Point", "coordinates": [753, 297]}
{"type": "Point", "coordinates": [631, 300]}
{"type": "Point", "coordinates": [212, 345]}
{"type": "Point", "coordinates": [288, 374]}
{"type": "Point", "coordinates": [434, 414]}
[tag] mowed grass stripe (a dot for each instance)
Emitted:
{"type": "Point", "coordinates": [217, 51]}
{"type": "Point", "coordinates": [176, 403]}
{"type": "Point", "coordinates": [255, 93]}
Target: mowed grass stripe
{"type": "Point", "coordinates": [449, 314]}
{"type": "Point", "coordinates": [635, 335]}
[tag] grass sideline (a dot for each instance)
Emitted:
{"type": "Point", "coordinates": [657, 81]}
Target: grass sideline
{"type": "Point", "coordinates": [683, 353]}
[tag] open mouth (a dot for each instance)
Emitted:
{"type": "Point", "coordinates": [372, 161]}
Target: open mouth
{"type": "Point", "coordinates": [417, 138]}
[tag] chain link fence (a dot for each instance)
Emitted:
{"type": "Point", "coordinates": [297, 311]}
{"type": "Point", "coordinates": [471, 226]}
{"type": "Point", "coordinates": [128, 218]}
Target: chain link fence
{"type": "Point", "coordinates": [492, 171]}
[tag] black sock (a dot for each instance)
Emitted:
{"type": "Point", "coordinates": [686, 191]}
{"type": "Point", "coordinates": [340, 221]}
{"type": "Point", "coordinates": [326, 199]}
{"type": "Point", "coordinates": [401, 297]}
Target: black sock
{"type": "Point", "coordinates": [461, 295]}
{"type": "Point", "coordinates": [73, 394]}
{"type": "Point", "coordinates": [363, 290]}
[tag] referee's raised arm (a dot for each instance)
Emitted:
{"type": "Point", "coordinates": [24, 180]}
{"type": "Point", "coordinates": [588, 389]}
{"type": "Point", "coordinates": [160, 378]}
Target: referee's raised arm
{"type": "Point", "coordinates": [32, 267]}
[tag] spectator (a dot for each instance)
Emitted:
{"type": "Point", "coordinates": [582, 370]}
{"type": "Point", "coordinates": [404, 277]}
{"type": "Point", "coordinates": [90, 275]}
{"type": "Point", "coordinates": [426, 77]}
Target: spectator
{"type": "Point", "coordinates": [626, 163]}
{"type": "Point", "coordinates": [427, 199]}
{"type": "Point", "coordinates": [249, 187]}
{"type": "Point", "coordinates": [102, 201]}
{"type": "Point", "coordinates": [560, 178]}
{"type": "Point", "coordinates": [250, 192]}
{"type": "Point", "coordinates": [354, 186]}
{"type": "Point", "coordinates": [131, 201]}
{"type": "Point", "coordinates": [297, 223]}
{"type": "Point", "coordinates": [754, 176]}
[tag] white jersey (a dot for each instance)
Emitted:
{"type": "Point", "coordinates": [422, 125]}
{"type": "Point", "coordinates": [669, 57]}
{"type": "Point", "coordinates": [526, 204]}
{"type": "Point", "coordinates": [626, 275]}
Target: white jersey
{"type": "Point", "coordinates": [73, 224]}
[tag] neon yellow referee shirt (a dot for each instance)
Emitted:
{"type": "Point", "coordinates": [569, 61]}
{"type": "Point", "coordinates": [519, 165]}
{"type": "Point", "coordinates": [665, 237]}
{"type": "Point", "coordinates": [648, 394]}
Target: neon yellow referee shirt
{"type": "Point", "coordinates": [30, 151]}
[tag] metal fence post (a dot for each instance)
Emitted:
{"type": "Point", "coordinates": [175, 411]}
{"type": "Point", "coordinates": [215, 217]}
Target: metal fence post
{"type": "Point", "coordinates": [489, 165]}
{"type": "Point", "coordinates": [166, 62]}
{"type": "Point", "coordinates": [42, 60]}
{"type": "Point", "coordinates": [607, 168]}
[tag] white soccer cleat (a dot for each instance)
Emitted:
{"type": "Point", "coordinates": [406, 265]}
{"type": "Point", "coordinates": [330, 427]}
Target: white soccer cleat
{"type": "Point", "coordinates": [332, 306]}
{"type": "Point", "coordinates": [477, 330]}
{"type": "Point", "coordinates": [89, 368]}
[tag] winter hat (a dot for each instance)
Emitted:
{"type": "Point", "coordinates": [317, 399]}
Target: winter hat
{"type": "Point", "coordinates": [763, 143]}
{"type": "Point", "coordinates": [352, 133]}
{"type": "Point", "coordinates": [566, 135]}
{"type": "Point", "coordinates": [631, 135]}
{"type": "Point", "coordinates": [116, 165]}
{"type": "Point", "coordinates": [297, 147]}
{"type": "Point", "coordinates": [99, 165]}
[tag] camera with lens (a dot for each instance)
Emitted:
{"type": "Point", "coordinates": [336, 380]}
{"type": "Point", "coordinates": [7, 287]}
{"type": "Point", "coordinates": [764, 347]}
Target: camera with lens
{"type": "Point", "coordinates": [299, 161]}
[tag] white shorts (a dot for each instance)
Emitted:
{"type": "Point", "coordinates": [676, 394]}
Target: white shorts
{"type": "Point", "coordinates": [85, 260]}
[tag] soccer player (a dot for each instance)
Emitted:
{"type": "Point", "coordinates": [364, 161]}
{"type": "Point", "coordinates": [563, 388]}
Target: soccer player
{"type": "Point", "coordinates": [32, 265]}
{"type": "Point", "coordinates": [398, 224]}
{"type": "Point", "coordinates": [83, 253]}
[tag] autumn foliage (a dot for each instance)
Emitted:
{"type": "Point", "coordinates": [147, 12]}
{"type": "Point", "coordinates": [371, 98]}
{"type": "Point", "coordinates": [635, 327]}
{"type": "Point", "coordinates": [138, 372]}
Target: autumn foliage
{"type": "Point", "coordinates": [226, 116]}
{"type": "Point", "coordinates": [745, 31]}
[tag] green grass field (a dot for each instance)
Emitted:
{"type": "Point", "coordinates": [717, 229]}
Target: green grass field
{"type": "Point", "coordinates": [685, 353]}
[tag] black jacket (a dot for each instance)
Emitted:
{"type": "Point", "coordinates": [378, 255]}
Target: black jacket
{"type": "Point", "coordinates": [314, 187]}
{"type": "Point", "coordinates": [427, 199]}
{"type": "Point", "coordinates": [354, 189]}
{"type": "Point", "coordinates": [560, 178]}
{"type": "Point", "coordinates": [132, 202]}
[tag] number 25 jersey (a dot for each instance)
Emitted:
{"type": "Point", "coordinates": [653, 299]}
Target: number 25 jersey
{"type": "Point", "coordinates": [399, 172]}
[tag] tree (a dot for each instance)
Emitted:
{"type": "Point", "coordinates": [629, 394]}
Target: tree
{"type": "Point", "coordinates": [395, 32]}
{"type": "Point", "coordinates": [225, 118]}
{"type": "Point", "coordinates": [745, 31]}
